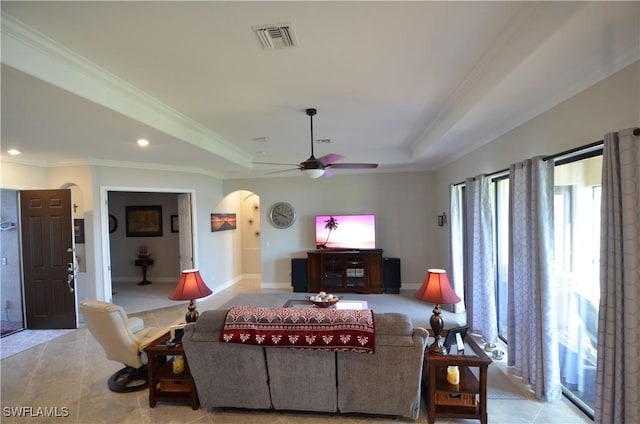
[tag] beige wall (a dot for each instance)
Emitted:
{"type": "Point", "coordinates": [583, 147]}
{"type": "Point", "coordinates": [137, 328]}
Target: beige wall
{"type": "Point", "coordinates": [610, 105]}
{"type": "Point", "coordinates": [406, 217]}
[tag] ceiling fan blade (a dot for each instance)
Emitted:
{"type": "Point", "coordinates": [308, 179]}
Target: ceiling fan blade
{"type": "Point", "coordinates": [327, 173]}
{"type": "Point", "coordinates": [353, 165]}
{"type": "Point", "coordinates": [281, 171]}
{"type": "Point", "coordinates": [274, 163]}
{"type": "Point", "coordinates": [330, 158]}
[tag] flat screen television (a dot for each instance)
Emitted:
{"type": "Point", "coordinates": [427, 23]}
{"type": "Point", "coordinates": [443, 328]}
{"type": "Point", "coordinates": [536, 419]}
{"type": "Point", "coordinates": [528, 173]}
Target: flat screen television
{"type": "Point", "coordinates": [346, 231]}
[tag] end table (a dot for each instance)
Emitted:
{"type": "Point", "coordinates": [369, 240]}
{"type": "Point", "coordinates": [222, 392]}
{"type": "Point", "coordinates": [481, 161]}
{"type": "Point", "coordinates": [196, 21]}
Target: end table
{"type": "Point", "coordinates": [144, 263]}
{"type": "Point", "coordinates": [468, 399]}
{"type": "Point", "coordinates": [164, 385]}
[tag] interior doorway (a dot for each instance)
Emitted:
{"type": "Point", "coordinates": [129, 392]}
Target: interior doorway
{"type": "Point", "coordinates": [163, 244]}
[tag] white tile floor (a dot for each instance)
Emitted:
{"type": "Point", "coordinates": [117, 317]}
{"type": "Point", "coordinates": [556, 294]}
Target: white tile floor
{"type": "Point", "coordinates": [71, 371]}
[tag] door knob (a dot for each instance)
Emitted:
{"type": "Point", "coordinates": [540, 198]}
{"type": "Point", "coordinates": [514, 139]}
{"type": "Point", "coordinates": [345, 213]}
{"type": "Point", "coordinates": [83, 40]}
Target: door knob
{"type": "Point", "coordinates": [70, 279]}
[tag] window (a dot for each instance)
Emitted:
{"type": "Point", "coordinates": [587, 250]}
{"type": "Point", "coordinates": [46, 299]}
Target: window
{"type": "Point", "coordinates": [577, 273]}
{"type": "Point", "coordinates": [576, 266]}
{"type": "Point", "coordinates": [502, 250]}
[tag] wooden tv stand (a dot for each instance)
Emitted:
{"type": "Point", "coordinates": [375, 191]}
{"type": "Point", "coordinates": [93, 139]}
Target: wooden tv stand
{"type": "Point", "coordinates": [335, 271]}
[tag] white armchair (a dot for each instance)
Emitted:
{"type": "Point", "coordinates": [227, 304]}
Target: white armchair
{"type": "Point", "coordinates": [123, 340]}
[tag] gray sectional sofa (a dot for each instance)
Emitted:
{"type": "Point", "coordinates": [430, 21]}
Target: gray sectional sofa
{"type": "Point", "coordinates": [257, 377]}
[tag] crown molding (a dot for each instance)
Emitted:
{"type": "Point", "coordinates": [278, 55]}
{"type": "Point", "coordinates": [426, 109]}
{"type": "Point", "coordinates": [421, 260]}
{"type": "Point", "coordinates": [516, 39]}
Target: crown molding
{"type": "Point", "coordinates": [37, 55]}
{"type": "Point", "coordinates": [112, 164]}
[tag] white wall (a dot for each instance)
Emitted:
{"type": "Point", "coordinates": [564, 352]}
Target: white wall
{"type": "Point", "coordinates": [406, 217]}
{"type": "Point", "coordinates": [610, 105]}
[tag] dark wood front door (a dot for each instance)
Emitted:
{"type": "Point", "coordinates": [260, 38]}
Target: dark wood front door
{"type": "Point", "coordinates": [49, 287]}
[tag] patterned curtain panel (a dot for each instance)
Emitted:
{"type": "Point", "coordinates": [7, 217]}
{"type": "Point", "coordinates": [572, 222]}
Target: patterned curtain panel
{"type": "Point", "coordinates": [532, 317]}
{"type": "Point", "coordinates": [618, 369]}
{"type": "Point", "coordinates": [456, 245]}
{"type": "Point", "coordinates": [480, 258]}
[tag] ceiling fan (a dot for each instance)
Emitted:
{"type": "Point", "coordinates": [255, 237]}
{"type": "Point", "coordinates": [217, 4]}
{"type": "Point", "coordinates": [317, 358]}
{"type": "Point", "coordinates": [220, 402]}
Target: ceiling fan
{"type": "Point", "coordinates": [317, 167]}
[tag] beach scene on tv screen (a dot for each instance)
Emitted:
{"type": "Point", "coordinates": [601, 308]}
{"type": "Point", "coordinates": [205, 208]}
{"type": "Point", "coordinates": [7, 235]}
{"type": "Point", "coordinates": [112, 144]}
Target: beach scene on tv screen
{"type": "Point", "coordinates": [345, 232]}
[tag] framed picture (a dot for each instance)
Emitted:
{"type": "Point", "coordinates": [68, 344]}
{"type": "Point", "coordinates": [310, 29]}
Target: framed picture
{"type": "Point", "coordinates": [450, 340]}
{"type": "Point", "coordinates": [144, 221]}
{"type": "Point", "coordinates": [223, 221]}
{"type": "Point", "coordinates": [175, 224]}
{"type": "Point", "coordinates": [78, 230]}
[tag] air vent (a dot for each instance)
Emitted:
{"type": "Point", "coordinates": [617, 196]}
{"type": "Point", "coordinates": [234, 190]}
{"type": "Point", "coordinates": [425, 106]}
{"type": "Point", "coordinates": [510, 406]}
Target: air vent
{"type": "Point", "coordinates": [276, 36]}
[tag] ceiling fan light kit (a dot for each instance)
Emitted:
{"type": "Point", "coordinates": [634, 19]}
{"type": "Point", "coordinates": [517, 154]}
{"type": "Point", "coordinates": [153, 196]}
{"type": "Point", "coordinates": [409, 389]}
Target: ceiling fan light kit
{"type": "Point", "coordinates": [313, 173]}
{"type": "Point", "coordinates": [317, 167]}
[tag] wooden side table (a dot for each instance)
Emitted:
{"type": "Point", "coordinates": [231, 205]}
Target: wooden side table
{"type": "Point", "coordinates": [144, 263]}
{"type": "Point", "coordinates": [465, 400]}
{"type": "Point", "coordinates": [164, 385]}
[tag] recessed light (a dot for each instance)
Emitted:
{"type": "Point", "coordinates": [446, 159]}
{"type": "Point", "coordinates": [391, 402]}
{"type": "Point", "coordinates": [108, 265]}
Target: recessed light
{"type": "Point", "coordinates": [142, 142]}
{"type": "Point", "coordinates": [14, 152]}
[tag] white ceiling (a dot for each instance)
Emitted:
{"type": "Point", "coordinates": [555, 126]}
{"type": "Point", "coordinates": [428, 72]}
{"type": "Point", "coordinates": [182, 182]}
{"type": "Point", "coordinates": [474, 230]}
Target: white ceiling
{"type": "Point", "coordinates": [408, 85]}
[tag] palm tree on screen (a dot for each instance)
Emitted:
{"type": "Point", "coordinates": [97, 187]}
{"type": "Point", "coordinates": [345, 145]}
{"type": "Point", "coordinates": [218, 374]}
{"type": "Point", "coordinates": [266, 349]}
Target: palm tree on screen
{"type": "Point", "coordinates": [330, 224]}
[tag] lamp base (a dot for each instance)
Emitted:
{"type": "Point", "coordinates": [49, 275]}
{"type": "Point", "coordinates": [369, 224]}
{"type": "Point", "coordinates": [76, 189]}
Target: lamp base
{"type": "Point", "coordinates": [437, 324]}
{"type": "Point", "coordinates": [436, 348]}
{"type": "Point", "coordinates": [192, 315]}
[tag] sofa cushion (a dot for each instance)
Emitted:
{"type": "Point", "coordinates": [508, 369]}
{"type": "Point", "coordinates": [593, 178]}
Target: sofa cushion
{"type": "Point", "coordinates": [394, 329]}
{"type": "Point", "coordinates": [225, 375]}
{"type": "Point", "coordinates": [397, 363]}
{"type": "Point", "coordinates": [303, 380]}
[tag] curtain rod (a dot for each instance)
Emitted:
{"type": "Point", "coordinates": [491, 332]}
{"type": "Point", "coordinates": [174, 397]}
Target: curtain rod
{"type": "Point", "coordinates": [636, 132]}
{"type": "Point", "coordinates": [576, 149]}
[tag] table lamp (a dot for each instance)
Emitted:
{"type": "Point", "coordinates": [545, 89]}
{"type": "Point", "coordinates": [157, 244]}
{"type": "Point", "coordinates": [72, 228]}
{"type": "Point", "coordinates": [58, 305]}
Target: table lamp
{"type": "Point", "coordinates": [190, 287]}
{"type": "Point", "coordinates": [437, 290]}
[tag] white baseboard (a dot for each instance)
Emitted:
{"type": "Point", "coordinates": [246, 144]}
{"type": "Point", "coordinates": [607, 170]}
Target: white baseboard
{"type": "Point", "coordinates": [160, 280]}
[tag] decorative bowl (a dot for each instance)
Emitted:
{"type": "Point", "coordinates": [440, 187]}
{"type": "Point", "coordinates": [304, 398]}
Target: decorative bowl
{"type": "Point", "coordinates": [324, 304]}
{"type": "Point", "coordinates": [488, 347]}
{"type": "Point", "coordinates": [497, 354]}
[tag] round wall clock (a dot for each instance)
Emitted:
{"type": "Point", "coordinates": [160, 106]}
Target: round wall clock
{"type": "Point", "coordinates": [282, 215]}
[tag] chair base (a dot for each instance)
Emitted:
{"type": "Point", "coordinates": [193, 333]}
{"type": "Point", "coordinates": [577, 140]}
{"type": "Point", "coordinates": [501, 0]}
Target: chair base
{"type": "Point", "coordinates": [129, 379]}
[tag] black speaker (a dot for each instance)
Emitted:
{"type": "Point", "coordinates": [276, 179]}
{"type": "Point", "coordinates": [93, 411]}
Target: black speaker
{"type": "Point", "coordinates": [299, 274]}
{"type": "Point", "coordinates": [391, 275]}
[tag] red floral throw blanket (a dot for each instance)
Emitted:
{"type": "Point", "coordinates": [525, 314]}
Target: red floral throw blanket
{"type": "Point", "coordinates": [304, 328]}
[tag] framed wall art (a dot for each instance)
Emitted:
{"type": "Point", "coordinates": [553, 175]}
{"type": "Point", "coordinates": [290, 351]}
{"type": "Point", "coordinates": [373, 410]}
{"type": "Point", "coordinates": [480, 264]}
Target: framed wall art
{"type": "Point", "coordinates": [144, 221]}
{"type": "Point", "coordinates": [223, 221]}
{"type": "Point", "coordinates": [78, 230]}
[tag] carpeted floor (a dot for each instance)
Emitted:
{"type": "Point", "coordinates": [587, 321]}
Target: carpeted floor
{"type": "Point", "coordinates": [26, 339]}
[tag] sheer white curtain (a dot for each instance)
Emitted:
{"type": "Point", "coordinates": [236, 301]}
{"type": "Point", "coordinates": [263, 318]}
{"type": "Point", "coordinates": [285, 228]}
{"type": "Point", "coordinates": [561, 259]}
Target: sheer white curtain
{"type": "Point", "coordinates": [480, 258]}
{"type": "Point", "coordinates": [456, 245]}
{"type": "Point", "coordinates": [532, 319]}
{"type": "Point", "coordinates": [618, 369]}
